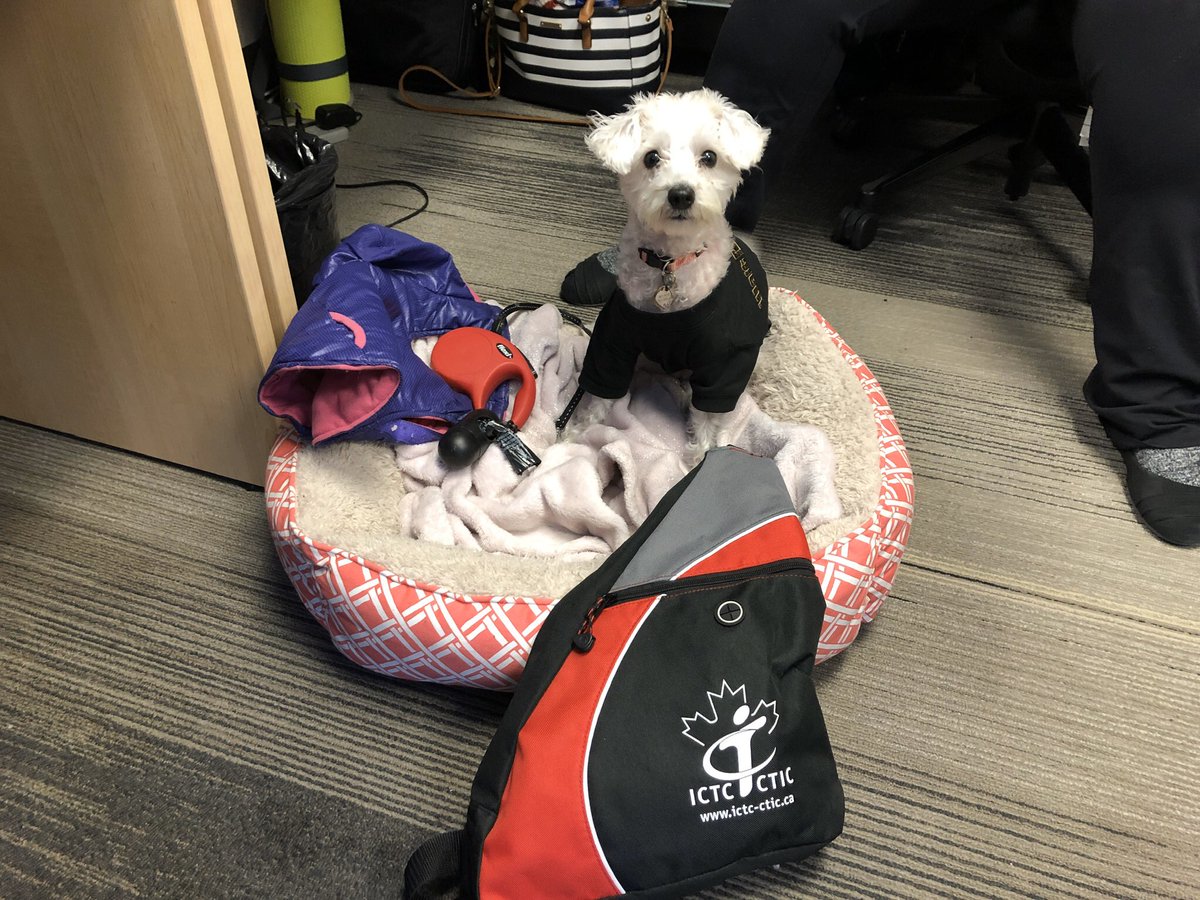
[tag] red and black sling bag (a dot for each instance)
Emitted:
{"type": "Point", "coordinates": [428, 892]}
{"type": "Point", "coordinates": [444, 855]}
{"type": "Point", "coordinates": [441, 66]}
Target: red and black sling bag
{"type": "Point", "coordinates": [665, 735]}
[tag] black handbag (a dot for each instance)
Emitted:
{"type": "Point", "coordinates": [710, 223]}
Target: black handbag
{"type": "Point", "coordinates": [386, 37]}
{"type": "Point", "coordinates": [581, 59]}
{"type": "Point", "coordinates": [666, 734]}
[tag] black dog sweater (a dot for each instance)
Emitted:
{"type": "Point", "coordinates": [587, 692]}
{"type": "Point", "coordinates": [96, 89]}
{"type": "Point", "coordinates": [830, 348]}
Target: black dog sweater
{"type": "Point", "coordinates": [717, 339]}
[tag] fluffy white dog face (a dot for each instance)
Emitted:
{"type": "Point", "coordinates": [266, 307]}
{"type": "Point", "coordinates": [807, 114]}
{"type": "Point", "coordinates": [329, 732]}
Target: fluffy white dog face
{"type": "Point", "coordinates": [678, 157]}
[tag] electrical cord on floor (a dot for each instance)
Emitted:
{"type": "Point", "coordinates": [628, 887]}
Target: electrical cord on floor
{"type": "Point", "coordinates": [401, 183]}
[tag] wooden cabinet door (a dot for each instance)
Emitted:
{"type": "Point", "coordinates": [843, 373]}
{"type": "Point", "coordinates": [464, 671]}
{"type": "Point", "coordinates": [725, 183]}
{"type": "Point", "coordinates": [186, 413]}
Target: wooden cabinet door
{"type": "Point", "coordinates": [143, 284]}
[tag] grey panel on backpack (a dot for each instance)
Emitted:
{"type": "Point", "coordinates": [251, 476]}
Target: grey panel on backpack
{"type": "Point", "coordinates": [733, 492]}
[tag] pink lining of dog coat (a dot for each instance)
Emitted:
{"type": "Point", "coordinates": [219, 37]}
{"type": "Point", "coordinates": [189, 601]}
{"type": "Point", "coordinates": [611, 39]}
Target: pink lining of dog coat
{"type": "Point", "coordinates": [330, 400]}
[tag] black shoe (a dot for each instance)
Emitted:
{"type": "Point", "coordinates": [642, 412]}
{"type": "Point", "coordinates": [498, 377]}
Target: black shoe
{"type": "Point", "coordinates": [590, 283]}
{"type": "Point", "coordinates": [1169, 509]}
{"type": "Point", "coordinates": [745, 209]}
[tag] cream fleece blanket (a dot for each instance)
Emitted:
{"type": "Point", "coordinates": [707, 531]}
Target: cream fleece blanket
{"type": "Point", "coordinates": [595, 485]}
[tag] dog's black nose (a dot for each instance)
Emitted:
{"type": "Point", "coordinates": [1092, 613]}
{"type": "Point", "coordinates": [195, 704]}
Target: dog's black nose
{"type": "Point", "coordinates": [681, 197]}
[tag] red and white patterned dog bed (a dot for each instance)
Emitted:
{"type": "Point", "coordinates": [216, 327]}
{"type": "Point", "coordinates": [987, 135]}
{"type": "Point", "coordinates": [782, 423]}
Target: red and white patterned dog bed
{"type": "Point", "coordinates": [412, 628]}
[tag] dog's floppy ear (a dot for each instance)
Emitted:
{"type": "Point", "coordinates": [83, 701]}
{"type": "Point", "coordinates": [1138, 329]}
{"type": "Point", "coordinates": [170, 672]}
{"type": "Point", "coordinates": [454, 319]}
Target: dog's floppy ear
{"type": "Point", "coordinates": [616, 139]}
{"type": "Point", "coordinates": [742, 139]}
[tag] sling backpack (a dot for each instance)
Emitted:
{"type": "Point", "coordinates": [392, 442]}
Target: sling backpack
{"type": "Point", "coordinates": [665, 735]}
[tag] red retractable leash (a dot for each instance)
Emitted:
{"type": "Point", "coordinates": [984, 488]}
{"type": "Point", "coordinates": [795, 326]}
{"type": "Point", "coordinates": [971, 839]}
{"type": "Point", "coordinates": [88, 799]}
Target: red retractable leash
{"type": "Point", "coordinates": [476, 361]}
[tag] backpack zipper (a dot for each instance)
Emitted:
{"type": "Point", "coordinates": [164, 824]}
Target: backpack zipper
{"type": "Point", "coordinates": [584, 640]}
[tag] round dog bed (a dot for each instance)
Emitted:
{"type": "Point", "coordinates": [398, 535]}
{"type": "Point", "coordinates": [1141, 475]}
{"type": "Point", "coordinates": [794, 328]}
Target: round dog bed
{"type": "Point", "coordinates": [413, 610]}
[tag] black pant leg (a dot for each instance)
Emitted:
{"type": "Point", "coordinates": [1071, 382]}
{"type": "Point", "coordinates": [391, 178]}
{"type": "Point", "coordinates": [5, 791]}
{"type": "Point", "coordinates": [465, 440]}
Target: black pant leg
{"type": "Point", "coordinates": [1140, 62]}
{"type": "Point", "coordinates": [779, 60]}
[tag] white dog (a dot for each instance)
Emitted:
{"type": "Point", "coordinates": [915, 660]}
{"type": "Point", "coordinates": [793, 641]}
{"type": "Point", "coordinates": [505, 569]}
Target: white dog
{"type": "Point", "coordinates": [692, 298]}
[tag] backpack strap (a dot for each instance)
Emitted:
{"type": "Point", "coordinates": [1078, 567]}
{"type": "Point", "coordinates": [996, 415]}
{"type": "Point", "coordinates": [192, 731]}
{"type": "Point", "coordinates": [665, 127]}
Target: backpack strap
{"type": "Point", "coordinates": [433, 868]}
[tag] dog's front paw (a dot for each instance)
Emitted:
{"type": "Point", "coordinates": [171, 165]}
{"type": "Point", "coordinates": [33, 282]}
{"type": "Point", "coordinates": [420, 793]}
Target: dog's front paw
{"type": "Point", "coordinates": [706, 431]}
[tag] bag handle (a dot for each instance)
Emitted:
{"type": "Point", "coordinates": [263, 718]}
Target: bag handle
{"type": "Point", "coordinates": [669, 27]}
{"type": "Point", "coordinates": [585, 23]}
{"type": "Point", "coordinates": [466, 94]}
{"type": "Point", "coordinates": [522, 19]}
{"type": "Point", "coordinates": [495, 68]}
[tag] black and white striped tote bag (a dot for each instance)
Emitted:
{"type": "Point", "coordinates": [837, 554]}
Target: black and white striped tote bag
{"type": "Point", "coordinates": [581, 59]}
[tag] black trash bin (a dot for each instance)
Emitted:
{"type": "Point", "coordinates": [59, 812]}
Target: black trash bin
{"type": "Point", "coordinates": [303, 168]}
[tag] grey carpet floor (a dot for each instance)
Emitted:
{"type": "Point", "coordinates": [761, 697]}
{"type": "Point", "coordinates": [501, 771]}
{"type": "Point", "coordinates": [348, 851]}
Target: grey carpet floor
{"type": "Point", "coordinates": [1021, 719]}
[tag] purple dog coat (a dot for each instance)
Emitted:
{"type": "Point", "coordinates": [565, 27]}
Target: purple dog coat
{"type": "Point", "coordinates": [346, 370]}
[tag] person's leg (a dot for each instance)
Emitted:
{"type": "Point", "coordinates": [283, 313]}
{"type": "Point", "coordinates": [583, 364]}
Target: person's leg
{"type": "Point", "coordinates": [779, 60]}
{"type": "Point", "coordinates": [1140, 65]}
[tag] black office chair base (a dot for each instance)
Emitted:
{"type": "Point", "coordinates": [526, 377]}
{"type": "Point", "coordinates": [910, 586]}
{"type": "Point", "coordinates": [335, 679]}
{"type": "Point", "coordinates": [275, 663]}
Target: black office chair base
{"type": "Point", "coordinates": [1030, 137]}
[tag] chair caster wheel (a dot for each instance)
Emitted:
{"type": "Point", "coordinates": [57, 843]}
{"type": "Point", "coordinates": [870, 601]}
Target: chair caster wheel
{"type": "Point", "coordinates": [855, 227]}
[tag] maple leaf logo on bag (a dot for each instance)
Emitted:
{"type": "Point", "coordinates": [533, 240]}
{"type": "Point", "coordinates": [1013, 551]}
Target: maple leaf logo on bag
{"type": "Point", "coordinates": [737, 747]}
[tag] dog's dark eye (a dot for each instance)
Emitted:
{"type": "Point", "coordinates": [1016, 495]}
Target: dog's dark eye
{"type": "Point", "coordinates": [708, 159]}
{"type": "Point", "coordinates": [651, 159]}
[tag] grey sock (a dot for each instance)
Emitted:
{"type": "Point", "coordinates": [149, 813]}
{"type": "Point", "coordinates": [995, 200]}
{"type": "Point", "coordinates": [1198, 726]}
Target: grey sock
{"type": "Point", "coordinates": [1181, 466]}
{"type": "Point", "coordinates": [608, 260]}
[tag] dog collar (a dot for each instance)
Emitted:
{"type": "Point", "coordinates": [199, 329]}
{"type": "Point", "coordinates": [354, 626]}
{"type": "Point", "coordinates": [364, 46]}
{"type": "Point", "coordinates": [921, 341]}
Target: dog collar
{"type": "Point", "coordinates": [667, 263]}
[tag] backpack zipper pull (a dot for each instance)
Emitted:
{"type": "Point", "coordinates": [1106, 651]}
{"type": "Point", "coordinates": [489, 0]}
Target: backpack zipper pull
{"type": "Point", "coordinates": [584, 640]}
